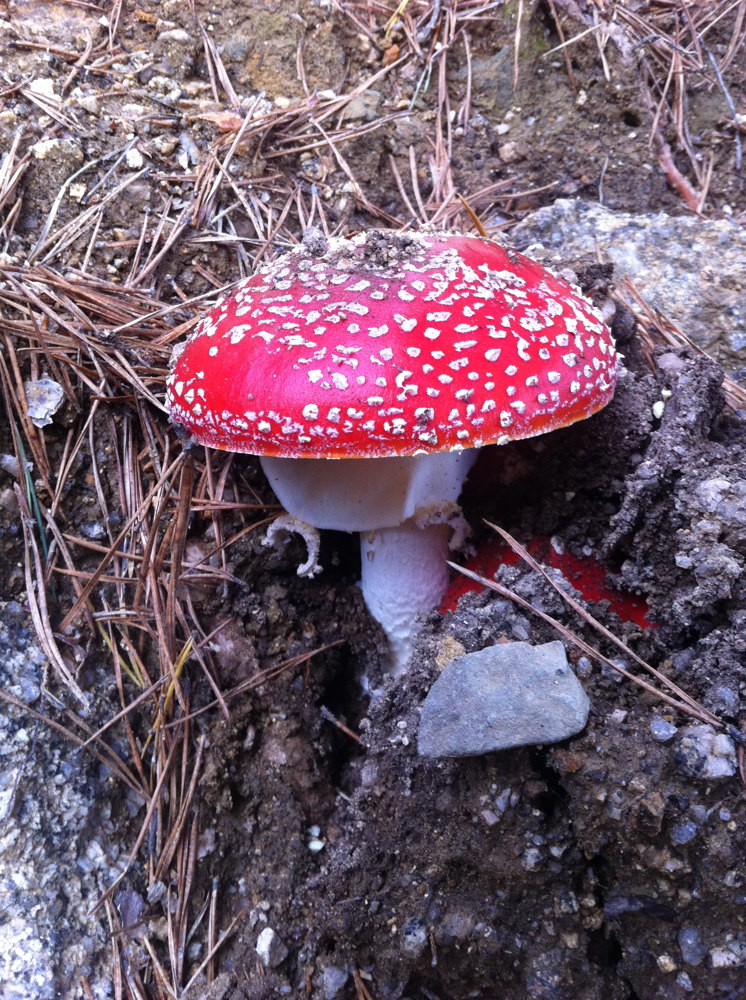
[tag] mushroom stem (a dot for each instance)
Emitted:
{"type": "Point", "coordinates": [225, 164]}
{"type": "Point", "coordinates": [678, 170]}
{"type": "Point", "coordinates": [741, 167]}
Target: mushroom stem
{"type": "Point", "coordinates": [404, 573]}
{"type": "Point", "coordinates": [406, 511]}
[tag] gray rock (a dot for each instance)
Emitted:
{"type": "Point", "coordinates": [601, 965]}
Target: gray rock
{"type": "Point", "coordinates": [178, 35]}
{"type": "Point", "coordinates": [693, 269]}
{"type": "Point", "coordinates": [684, 833]}
{"type": "Point", "coordinates": [693, 948]}
{"type": "Point", "coordinates": [334, 978]}
{"type": "Point", "coordinates": [270, 948]}
{"type": "Point", "coordinates": [364, 106]}
{"type": "Point", "coordinates": [508, 695]}
{"type": "Point", "coordinates": [56, 840]}
{"type": "Point", "coordinates": [721, 699]}
{"type": "Point", "coordinates": [703, 753]}
{"type": "Point", "coordinates": [661, 729]}
{"type": "Point", "coordinates": [236, 48]}
{"type": "Point", "coordinates": [729, 954]}
{"type": "Point", "coordinates": [414, 936]}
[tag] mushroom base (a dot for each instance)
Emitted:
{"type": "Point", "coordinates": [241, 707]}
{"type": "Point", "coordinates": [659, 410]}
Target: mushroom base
{"type": "Point", "coordinates": [404, 573]}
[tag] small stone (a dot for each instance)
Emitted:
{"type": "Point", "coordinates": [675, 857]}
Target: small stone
{"type": "Point", "coordinates": [270, 948]}
{"type": "Point", "coordinates": [456, 925]}
{"type": "Point", "coordinates": [693, 948]}
{"type": "Point", "coordinates": [567, 902]}
{"type": "Point", "coordinates": [88, 103]}
{"type": "Point", "coordinates": [315, 842]}
{"type": "Point", "coordinates": [177, 35]}
{"type": "Point", "coordinates": [414, 936]}
{"type": "Point", "coordinates": [584, 667]}
{"type": "Point", "coordinates": [236, 48]}
{"type": "Point", "coordinates": [44, 397]}
{"type": "Point", "coordinates": [44, 87]}
{"type": "Point", "coordinates": [41, 150]}
{"type": "Point", "coordinates": [333, 979]}
{"type": "Point", "coordinates": [662, 730]}
{"type": "Point", "coordinates": [449, 649]}
{"type": "Point", "coordinates": [722, 700]}
{"type": "Point", "coordinates": [9, 464]}
{"type": "Point", "coordinates": [703, 753]}
{"type": "Point", "coordinates": [729, 955]}
{"type": "Point", "coordinates": [507, 695]}
{"type": "Point", "coordinates": [364, 106]}
{"type": "Point", "coordinates": [165, 144]}
{"type": "Point", "coordinates": [511, 152]}
{"type": "Point", "coordinates": [134, 111]}
{"type": "Point", "coordinates": [503, 800]}
{"type": "Point", "coordinates": [684, 833]}
{"type": "Point", "coordinates": [134, 159]}
{"type": "Point", "coordinates": [532, 859]}
{"type": "Point", "coordinates": [8, 498]}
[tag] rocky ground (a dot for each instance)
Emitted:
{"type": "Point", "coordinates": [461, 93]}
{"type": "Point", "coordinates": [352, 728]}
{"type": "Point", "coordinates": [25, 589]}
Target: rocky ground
{"type": "Point", "coordinates": [255, 825]}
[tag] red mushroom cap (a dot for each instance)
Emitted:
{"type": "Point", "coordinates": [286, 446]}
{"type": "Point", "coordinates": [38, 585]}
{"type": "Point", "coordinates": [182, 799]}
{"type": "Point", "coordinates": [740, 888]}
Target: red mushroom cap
{"type": "Point", "coordinates": [381, 344]}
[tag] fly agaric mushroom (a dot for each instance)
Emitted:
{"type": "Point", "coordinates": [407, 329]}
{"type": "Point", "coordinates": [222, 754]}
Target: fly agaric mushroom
{"type": "Point", "coordinates": [366, 371]}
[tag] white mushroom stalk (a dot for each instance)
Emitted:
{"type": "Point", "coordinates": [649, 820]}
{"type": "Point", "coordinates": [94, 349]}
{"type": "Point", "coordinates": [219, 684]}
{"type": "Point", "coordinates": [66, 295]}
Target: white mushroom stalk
{"type": "Point", "coordinates": [367, 370]}
{"type": "Point", "coordinates": [407, 514]}
{"type": "Point", "coordinates": [404, 574]}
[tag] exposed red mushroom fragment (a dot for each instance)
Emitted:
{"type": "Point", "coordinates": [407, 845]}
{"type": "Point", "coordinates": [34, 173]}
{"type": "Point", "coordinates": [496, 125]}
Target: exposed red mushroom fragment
{"type": "Point", "coordinates": [585, 573]}
{"type": "Point", "coordinates": [395, 347]}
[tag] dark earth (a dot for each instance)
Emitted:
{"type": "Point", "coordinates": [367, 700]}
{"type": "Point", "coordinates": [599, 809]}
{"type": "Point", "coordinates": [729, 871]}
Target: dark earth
{"type": "Point", "coordinates": [609, 867]}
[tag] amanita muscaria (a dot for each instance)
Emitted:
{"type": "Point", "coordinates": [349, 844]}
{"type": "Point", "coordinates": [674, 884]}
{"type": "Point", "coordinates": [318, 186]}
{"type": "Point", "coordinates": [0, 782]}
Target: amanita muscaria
{"type": "Point", "coordinates": [367, 370]}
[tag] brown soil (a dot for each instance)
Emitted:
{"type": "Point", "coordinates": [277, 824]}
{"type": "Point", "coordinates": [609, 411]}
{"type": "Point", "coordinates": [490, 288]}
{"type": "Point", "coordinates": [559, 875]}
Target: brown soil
{"type": "Point", "coordinates": [548, 873]}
